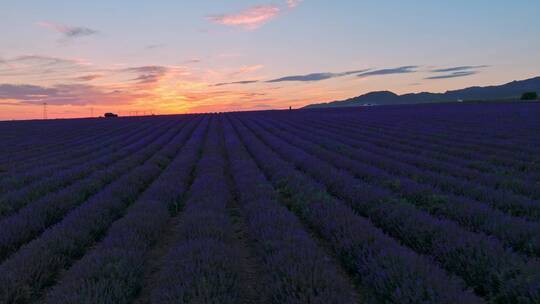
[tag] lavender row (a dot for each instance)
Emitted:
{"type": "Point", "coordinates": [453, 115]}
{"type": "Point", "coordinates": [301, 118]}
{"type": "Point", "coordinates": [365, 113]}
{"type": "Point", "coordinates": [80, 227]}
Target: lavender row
{"type": "Point", "coordinates": [455, 167]}
{"type": "Point", "coordinates": [414, 140]}
{"type": "Point", "coordinates": [25, 176]}
{"type": "Point", "coordinates": [84, 140]}
{"type": "Point", "coordinates": [203, 265]}
{"type": "Point", "coordinates": [55, 179]}
{"type": "Point", "coordinates": [298, 271]}
{"type": "Point", "coordinates": [481, 261]}
{"type": "Point", "coordinates": [443, 150]}
{"type": "Point", "coordinates": [514, 181]}
{"type": "Point", "coordinates": [69, 152]}
{"type": "Point", "coordinates": [23, 226]}
{"type": "Point", "coordinates": [499, 198]}
{"type": "Point", "coordinates": [18, 174]}
{"type": "Point", "coordinates": [37, 264]}
{"type": "Point", "coordinates": [389, 147]}
{"type": "Point", "coordinates": [20, 132]}
{"type": "Point", "coordinates": [517, 233]}
{"type": "Point", "coordinates": [448, 147]}
{"type": "Point", "coordinates": [387, 271]}
{"type": "Point", "coordinates": [113, 272]}
{"type": "Point", "coordinates": [23, 135]}
{"type": "Point", "coordinates": [500, 133]}
{"type": "Point", "coordinates": [474, 133]}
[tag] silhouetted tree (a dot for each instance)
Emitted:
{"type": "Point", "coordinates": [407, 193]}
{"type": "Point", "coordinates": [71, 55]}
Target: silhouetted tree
{"type": "Point", "coordinates": [529, 96]}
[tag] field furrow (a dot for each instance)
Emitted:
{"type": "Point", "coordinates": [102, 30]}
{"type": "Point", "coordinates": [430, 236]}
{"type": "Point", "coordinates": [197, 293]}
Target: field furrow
{"type": "Point", "coordinates": [297, 269]}
{"type": "Point", "coordinates": [457, 250]}
{"type": "Point", "coordinates": [113, 271]}
{"type": "Point", "coordinates": [389, 204]}
{"type": "Point", "coordinates": [83, 141]}
{"type": "Point", "coordinates": [204, 264]}
{"type": "Point", "coordinates": [402, 180]}
{"type": "Point", "coordinates": [384, 268]}
{"type": "Point", "coordinates": [36, 265]}
{"type": "Point", "coordinates": [25, 188]}
{"type": "Point", "coordinates": [451, 167]}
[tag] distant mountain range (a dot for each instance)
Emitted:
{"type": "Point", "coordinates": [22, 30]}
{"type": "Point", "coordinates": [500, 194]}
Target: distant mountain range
{"type": "Point", "coordinates": [512, 90]}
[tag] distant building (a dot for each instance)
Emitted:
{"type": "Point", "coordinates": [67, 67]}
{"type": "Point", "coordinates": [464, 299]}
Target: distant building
{"type": "Point", "coordinates": [110, 115]}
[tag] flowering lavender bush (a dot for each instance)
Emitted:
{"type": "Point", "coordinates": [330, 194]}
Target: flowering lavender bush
{"type": "Point", "coordinates": [393, 204]}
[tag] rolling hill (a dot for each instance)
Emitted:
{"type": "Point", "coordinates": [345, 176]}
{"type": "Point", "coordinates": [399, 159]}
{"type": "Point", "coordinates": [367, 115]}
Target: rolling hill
{"type": "Point", "coordinates": [509, 90]}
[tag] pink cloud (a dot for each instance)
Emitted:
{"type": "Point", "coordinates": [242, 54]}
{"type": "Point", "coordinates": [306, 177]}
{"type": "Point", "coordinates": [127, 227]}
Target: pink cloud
{"type": "Point", "coordinates": [247, 69]}
{"type": "Point", "coordinates": [88, 77]}
{"type": "Point", "coordinates": [293, 3]}
{"type": "Point", "coordinates": [249, 19]}
{"type": "Point", "coordinates": [70, 94]}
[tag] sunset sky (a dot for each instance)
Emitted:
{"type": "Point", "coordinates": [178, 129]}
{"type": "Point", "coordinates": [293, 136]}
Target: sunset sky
{"type": "Point", "coordinates": [83, 57]}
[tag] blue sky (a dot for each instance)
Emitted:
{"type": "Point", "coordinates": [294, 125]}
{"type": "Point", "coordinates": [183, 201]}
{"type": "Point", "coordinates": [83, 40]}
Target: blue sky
{"type": "Point", "coordinates": [181, 49]}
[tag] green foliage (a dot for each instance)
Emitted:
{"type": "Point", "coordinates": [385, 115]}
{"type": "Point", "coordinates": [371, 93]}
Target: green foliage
{"type": "Point", "coordinates": [529, 96]}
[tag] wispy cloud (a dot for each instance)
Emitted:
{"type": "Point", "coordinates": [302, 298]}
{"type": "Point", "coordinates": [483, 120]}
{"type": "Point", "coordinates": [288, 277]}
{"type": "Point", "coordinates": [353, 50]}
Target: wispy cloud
{"type": "Point", "coordinates": [148, 69]}
{"type": "Point", "coordinates": [88, 77]}
{"type": "Point", "coordinates": [235, 82]}
{"type": "Point", "coordinates": [455, 72]}
{"type": "Point", "coordinates": [247, 69]}
{"type": "Point", "coordinates": [293, 3]}
{"type": "Point", "coordinates": [69, 32]}
{"type": "Point", "coordinates": [398, 70]}
{"type": "Point", "coordinates": [249, 19]}
{"type": "Point", "coordinates": [229, 55]}
{"type": "Point", "coordinates": [41, 68]}
{"type": "Point", "coordinates": [453, 75]}
{"type": "Point", "coordinates": [154, 46]}
{"type": "Point", "coordinates": [25, 92]}
{"type": "Point", "coordinates": [44, 60]}
{"type": "Point", "coordinates": [203, 101]}
{"type": "Point", "coordinates": [38, 69]}
{"type": "Point", "coordinates": [148, 74]}
{"type": "Point", "coordinates": [315, 76]}
{"type": "Point", "coordinates": [67, 94]}
{"type": "Point", "coordinates": [254, 17]}
{"type": "Point", "coordinates": [459, 68]}
{"type": "Point", "coordinates": [33, 79]}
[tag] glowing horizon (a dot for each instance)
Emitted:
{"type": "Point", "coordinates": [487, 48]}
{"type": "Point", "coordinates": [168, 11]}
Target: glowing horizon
{"type": "Point", "coordinates": [168, 57]}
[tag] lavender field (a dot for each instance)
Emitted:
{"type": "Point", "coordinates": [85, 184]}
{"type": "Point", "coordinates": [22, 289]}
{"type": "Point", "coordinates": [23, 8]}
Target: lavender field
{"type": "Point", "coordinates": [390, 204]}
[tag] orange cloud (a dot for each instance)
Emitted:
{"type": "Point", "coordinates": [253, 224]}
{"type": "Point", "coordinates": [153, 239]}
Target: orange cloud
{"type": "Point", "coordinates": [249, 19]}
{"type": "Point", "coordinates": [75, 88]}
{"type": "Point", "coordinates": [69, 94]}
{"type": "Point", "coordinates": [247, 69]}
